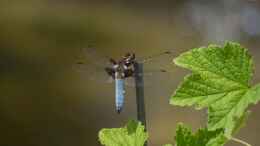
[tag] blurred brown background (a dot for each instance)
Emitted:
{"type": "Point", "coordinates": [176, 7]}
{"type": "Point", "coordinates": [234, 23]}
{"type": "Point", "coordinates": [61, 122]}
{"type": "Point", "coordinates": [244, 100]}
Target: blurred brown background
{"type": "Point", "coordinates": [44, 102]}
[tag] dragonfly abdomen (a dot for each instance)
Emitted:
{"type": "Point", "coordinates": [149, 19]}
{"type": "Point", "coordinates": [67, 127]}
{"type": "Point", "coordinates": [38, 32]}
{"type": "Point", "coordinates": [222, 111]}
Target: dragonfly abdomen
{"type": "Point", "coordinates": [120, 94]}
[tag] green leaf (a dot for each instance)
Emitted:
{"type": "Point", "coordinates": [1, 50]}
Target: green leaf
{"type": "Point", "coordinates": [219, 81]}
{"type": "Point", "coordinates": [167, 145]}
{"type": "Point", "coordinates": [132, 134]}
{"type": "Point", "coordinates": [202, 137]}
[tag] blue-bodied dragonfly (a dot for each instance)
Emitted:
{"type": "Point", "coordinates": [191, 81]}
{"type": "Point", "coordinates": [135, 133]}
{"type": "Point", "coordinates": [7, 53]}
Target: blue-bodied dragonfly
{"type": "Point", "coordinates": [107, 69]}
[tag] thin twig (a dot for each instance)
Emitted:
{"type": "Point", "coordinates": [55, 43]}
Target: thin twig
{"type": "Point", "coordinates": [240, 141]}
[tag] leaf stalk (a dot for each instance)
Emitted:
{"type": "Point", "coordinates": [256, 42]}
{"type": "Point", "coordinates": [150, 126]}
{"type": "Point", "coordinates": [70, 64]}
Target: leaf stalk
{"type": "Point", "coordinates": [240, 141]}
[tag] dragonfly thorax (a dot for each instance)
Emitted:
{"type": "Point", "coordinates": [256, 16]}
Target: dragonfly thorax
{"type": "Point", "coordinates": [123, 68]}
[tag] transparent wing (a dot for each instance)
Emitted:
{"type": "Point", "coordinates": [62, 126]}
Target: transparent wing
{"type": "Point", "coordinates": [93, 73]}
{"type": "Point", "coordinates": [159, 57]}
{"type": "Point", "coordinates": [150, 78]}
{"type": "Point", "coordinates": [95, 58]}
{"type": "Point", "coordinates": [93, 66]}
{"type": "Point", "coordinates": [156, 67]}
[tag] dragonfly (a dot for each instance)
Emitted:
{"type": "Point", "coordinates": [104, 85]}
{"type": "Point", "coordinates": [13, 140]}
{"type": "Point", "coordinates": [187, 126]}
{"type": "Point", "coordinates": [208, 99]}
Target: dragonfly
{"type": "Point", "coordinates": [110, 70]}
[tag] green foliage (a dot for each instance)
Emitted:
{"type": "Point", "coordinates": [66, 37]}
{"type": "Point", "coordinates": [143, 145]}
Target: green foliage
{"type": "Point", "coordinates": [219, 81]}
{"type": "Point", "coordinates": [132, 134]}
{"type": "Point", "coordinates": [203, 137]}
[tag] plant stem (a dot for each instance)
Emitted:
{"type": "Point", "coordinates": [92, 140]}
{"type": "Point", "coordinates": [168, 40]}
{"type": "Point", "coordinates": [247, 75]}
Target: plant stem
{"type": "Point", "coordinates": [140, 94]}
{"type": "Point", "coordinates": [240, 141]}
